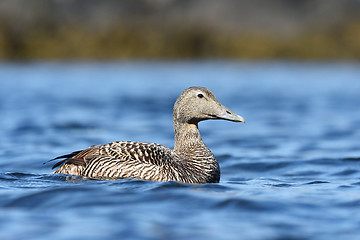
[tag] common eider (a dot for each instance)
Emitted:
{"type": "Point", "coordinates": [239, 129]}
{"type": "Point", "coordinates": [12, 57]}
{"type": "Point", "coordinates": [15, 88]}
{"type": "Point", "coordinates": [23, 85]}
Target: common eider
{"type": "Point", "coordinates": [189, 162]}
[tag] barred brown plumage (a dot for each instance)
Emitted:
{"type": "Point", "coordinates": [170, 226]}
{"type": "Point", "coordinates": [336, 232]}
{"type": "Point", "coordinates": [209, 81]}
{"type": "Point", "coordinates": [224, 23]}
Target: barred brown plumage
{"type": "Point", "coordinates": [189, 162]}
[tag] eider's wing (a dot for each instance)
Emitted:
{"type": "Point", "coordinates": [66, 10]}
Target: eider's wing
{"type": "Point", "coordinates": [117, 160]}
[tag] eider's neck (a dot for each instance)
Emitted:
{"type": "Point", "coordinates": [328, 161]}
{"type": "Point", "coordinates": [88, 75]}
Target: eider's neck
{"type": "Point", "coordinates": [197, 163]}
{"type": "Point", "coordinates": [188, 141]}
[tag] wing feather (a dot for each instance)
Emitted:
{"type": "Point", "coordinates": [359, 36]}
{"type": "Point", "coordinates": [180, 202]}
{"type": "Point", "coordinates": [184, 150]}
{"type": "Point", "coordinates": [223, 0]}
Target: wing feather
{"type": "Point", "coordinates": [117, 159]}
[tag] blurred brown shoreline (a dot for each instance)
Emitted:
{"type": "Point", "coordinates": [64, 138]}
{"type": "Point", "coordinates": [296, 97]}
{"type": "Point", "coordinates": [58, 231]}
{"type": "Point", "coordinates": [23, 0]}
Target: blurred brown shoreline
{"type": "Point", "coordinates": [257, 29]}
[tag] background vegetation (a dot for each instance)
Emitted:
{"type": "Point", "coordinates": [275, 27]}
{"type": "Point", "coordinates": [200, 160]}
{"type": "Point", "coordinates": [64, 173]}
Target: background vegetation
{"type": "Point", "coordinates": [252, 29]}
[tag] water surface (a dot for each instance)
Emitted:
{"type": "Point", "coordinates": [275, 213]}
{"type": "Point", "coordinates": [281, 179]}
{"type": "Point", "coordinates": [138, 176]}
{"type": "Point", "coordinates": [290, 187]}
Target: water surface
{"type": "Point", "coordinates": [291, 172]}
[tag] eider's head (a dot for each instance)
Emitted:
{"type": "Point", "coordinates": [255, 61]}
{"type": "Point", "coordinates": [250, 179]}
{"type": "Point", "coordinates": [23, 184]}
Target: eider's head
{"type": "Point", "coordinates": [196, 104]}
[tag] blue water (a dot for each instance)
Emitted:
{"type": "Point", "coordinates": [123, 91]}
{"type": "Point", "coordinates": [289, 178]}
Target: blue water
{"type": "Point", "coordinates": [291, 172]}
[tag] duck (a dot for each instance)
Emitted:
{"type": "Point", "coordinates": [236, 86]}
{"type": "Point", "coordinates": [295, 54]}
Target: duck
{"type": "Point", "coordinates": [189, 162]}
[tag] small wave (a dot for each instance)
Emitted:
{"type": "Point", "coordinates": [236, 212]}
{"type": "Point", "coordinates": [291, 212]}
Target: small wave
{"type": "Point", "coordinates": [74, 126]}
{"type": "Point", "coordinates": [316, 182]}
{"type": "Point", "coordinates": [281, 185]}
{"type": "Point", "coordinates": [353, 203]}
{"type": "Point", "coordinates": [262, 166]}
{"type": "Point", "coordinates": [346, 172]}
{"type": "Point", "coordinates": [46, 198]}
{"type": "Point", "coordinates": [15, 175]}
{"type": "Point", "coordinates": [351, 159]}
{"type": "Point", "coordinates": [29, 128]}
{"type": "Point", "coordinates": [240, 203]}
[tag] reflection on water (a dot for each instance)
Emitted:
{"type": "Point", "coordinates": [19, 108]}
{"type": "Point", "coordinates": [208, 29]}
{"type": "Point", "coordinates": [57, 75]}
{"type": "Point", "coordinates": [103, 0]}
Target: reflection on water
{"type": "Point", "coordinates": [292, 171]}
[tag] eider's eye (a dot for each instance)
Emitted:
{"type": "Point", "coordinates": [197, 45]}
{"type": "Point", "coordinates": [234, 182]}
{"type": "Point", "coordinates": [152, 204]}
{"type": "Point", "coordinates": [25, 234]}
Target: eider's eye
{"type": "Point", "coordinates": [200, 95]}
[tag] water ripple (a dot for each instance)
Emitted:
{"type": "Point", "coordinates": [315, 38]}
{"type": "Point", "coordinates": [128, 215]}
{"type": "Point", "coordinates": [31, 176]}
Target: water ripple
{"type": "Point", "coordinates": [291, 172]}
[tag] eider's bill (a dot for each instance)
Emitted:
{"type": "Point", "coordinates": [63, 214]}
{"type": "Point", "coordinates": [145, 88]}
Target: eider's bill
{"type": "Point", "coordinates": [230, 115]}
{"type": "Point", "coordinates": [222, 112]}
